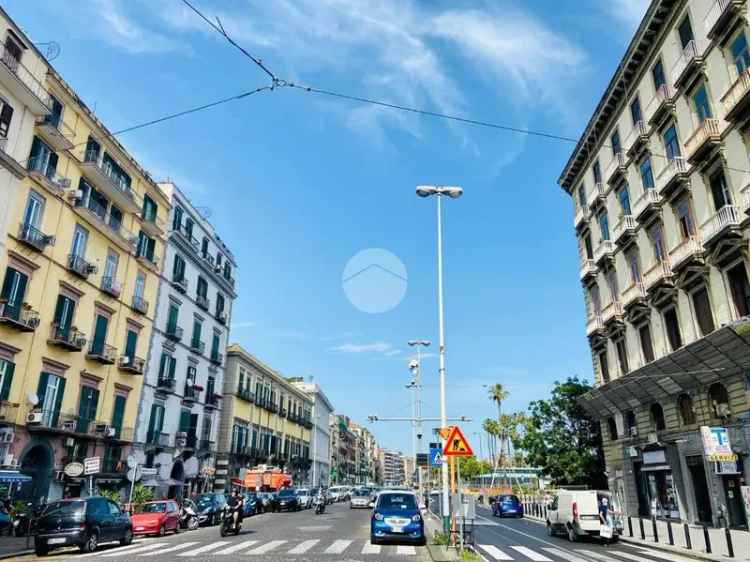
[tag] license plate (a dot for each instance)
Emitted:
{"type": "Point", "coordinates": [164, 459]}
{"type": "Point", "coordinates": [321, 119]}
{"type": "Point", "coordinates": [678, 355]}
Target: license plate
{"type": "Point", "coordinates": [139, 528]}
{"type": "Point", "coordinates": [60, 540]}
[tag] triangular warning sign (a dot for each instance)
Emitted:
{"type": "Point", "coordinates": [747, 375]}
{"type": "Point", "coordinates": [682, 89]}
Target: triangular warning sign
{"type": "Point", "coordinates": [457, 445]}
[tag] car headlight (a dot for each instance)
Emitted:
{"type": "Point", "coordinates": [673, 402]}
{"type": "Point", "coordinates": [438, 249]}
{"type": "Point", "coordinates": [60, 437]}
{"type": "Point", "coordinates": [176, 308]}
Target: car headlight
{"type": "Point", "coordinates": [417, 518]}
{"type": "Point", "coordinates": [378, 516]}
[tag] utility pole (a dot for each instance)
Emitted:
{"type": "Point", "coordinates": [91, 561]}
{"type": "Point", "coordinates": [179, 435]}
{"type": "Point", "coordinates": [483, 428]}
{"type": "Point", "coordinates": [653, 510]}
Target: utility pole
{"type": "Point", "coordinates": [416, 384]}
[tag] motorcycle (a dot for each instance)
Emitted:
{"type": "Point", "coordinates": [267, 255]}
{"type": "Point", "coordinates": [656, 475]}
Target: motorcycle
{"type": "Point", "coordinates": [24, 522]}
{"type": "Point", "coordinates": [227, 522]}
{"type": "Point", "coordinates": [188, 518]}
{"type": "Point", "coordinates": [320, 506]}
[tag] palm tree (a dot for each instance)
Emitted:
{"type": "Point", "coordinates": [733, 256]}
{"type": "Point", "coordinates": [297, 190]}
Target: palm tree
{"type": "Point", "coordinates": [490, 427]}
{"type": "Point", "coordinates": [498, 395]}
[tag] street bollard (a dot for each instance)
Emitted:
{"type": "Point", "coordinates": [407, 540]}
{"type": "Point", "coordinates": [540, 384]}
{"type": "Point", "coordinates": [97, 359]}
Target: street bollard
{"type": "Point", "coordinates": [545, 512]}
{"type": "Point", "coordinates": [630, 526]}
{"type": "Point", "coordinates": [707, 538]}
{"type": "Point", "coordinates": [730, 548]}
{"type": "Point", "coordinates": [688, 542]}
{"type": "Point", "coordinates": [669, 533]}
{"type": "Point", "coordinates": [653, 526]}
{"type": "Point", "coordinates": [643, 531]}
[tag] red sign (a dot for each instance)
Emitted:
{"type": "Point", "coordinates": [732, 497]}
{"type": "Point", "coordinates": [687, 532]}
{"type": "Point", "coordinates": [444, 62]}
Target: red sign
{"type": "Point", "coordinates": [457, 445]}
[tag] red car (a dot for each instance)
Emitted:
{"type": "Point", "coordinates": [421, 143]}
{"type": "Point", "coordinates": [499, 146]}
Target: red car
{"type": "Point", "coordinates": [156, 518]}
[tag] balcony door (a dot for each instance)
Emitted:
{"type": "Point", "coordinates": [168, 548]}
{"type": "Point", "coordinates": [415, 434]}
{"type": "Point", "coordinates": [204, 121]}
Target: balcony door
{"type": "Point", "coordinates": [50, 394]}
{"type": "Point", "coordinates": [87, 408]}
{"type": "Point", "coordinates": [42, 158]}
{"type": "Point", "coordinates": [13, 292]}
{"type": "Point", "coordinates": [685, 31]}
{"type": "Point", "coordinates": [6, 378]}
{"type": "Point", "coordinates": [100, 334]}
{"type": "Point", "coordinates": [740, 53]}
{"type": "Point", "coordinates": [740, 289]}
{"type": "Point", "coordinates": [64, 312]}
{"type": "Point", "coordinates": [80, 241]}
{"type": "Point", "coordinates": [720, 190]}
{"type": "Point", "coordinates": [12, 53]}
{"type": "Point", "coordinates": [32, 216]}
{"type": "Point", "coordinates": [131, 341]}
{"type": "Point", "coordinates": [118, 414]}
{"type": "Point", "coordinates": [110, 267]}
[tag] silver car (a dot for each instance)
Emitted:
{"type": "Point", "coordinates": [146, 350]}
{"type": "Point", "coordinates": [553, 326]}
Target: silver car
{"type": "Point", "coordinates": [360, 499]}
{"type": "Point", "coordinates": [305, 498]}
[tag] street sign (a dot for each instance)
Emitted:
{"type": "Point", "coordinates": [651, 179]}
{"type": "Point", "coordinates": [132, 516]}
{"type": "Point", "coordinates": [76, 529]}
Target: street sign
{"type": "Point", "coordinates": [445, 432]}
{"type": "Point", "coordinates": [716, 444]}
{"type": "Point", "coordinates": [73, 469]}
{"type": "Point", "coordinates": [423, 459]}
{"type": "Point", "coordinates": [132, 461]}
{"type": "Point", "coordinates": [134, 474]}
{"type": "Point", "coordinates": [436, 455]}
{"type": "Point", "coordinates": [457, 445]}
{"type": "Point", "coordinates": [92, 465]}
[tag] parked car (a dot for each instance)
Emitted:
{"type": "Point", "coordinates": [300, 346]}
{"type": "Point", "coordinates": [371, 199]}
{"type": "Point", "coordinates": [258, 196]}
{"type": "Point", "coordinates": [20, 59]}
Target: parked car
{"type": "Point", "coordinates": [85, 523]}
{"type": "Point", "coordinates": [156, 518]}
{"type": "Point", "coordinates": [209, 507]}
{"type": "Point", "coordinates": [266, 500]}
{"type": "Point", "coordinates": [396, 516]}
{"type": "Point", "coordinates": [337, 493]}
{"type": "Point", "coordinates": [285, 500]}
{"type": "Point", "coordinates": [360, 498]}
{"type": "Point", "coordinates": [6, 526]}
{"type": "Point", "coordinates": [305, 497]}
{"type": "Point", "coordinates": [575, 513]}
{"type": "Point", "coordinates": [252, 504]}
{"type": "Point", "coordinates": [507, 505]}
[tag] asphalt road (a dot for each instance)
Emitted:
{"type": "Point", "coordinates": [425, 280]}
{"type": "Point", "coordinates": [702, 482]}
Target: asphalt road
{"type": "Point", "coordinates": [524, 540]}
{"type": "Point", "coordinates": [338, 534]}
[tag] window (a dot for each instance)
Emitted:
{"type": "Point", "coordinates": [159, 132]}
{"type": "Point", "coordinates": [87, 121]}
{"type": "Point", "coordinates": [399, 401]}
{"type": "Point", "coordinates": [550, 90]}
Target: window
{"type": "Point", "coordinates": [596, 300]}
{"type": "Point", "coordinates": [604, 367]}
{"type": "Point", "coordinates": [87, 408]}
{"type": "Point", "coordinates": [672, 325]}
{"type": "Point", "coordinates": [140, 285]}
{"type": "Point", "coordinates": [189, 228]}
{"type": "Point", "coordinates": [100, 334]}
{"type": "Point", "coordinates": [589, 248]}
{"type": "Point", "coordinates": [622, 355]}
{"type": "Point", "coordinates": [210, 387]}
{"type": "Point", "coordinates": [12, 54]}
{"type": "Point", "coordinates": [701, 104]}
{"type": "Point", "coordinates": [647, 174]}
{"type": "Point", "coordinates": [110, 267]}
{"type": "Point", "coordinates": [597, 170]}
{"type": "Point", "coordinates": [613, 285]}
{"type": "Point", "coordinates": [131, 344]}
{"type": "Point", "coordinates": [115, 172]}
{"type": "Point", "coordinates": [634, 265]}
{"type": "Point", "coordinates": [582, 196]}
{"type": "Point", "coordinates": [6, 116]}
{"type": "Point", "coordinates": [95, 202]}
{"type": "Point", "coordinates": [197, 328]}
{"type": "Point", "coordinates": [146, 246]}
{"type": "Point", "coordinates": [604, 226]}
{"type": "Point", "coordinates": [206, 432]}
{"type": "Point", "coordinates": [685, 31]}
{"type": "Point", "coordinates": [172, 316]}
{"type": "Point", "coordinates": [178, 269]}
{"type": "Point", "coordinates": [202, 288]}
{"type": "Point", "coordinates": [177, 218]}
{"type": "Point", "coordinates": [42, 158]}
{"type": "Point", "coordinates": [93, 148]}
{"type": "Point", "coordinates": [658, 74]}
{"type": "Point", "coordinates": [64, 312]}
{"type": "Point", "coordinates": [623, 196]}
{"type": "Point", "coordinates": [630, 423]}
{"type": "Point", "coordinates": [13, 293]}
{"type": "Point", "coordinates": [204, 247]}
{"type": "Point", "coordinates": [227, 271]}
{"type": "Point", "coordinates": [150, 209]}
{"type": "Point", "coordinates": [635, 111]}
{"type": "Point", "coordinates": [647, 347]}
{"type": "Point", "coordinates": [685, 220]}
{"type": "Point", "coordinates": [219, 303]}
{"type": "Point", "coordinates": [215, 343]}
{"type": "Point", "coordinates": [55, 117]}
{"type": "Point", "coordinates": [657, 417]}
{"type": "Point", "coordinates": [167, 367]}
{"type": "Point", "coordinates": [719, 189]}
{"type": "Point", "coordinates": [718, 397]}
{"type": "Point", "coordinates": [702, 307]}
{"type": "Point", "coordinates": [612, 426]}
{"type": "Point", "coordinates": [616, 144]}
{"type": "Point", "coordinates": [740, 53]}
{"type": "Point", "coordinates": [50, 393]}
{"type": "Point", "coordinates": [671, 143]}
{"type": "Point", "coordinates": [155, 423]}
{"type": "Point", "coordinates": [740, 289]}
{"type": "Point", "coordinates": [80, 240]}
{"type": "Point", "coordinates": [32, 216]}
{"type": "Point", "coordinates": [686, 409]}
{"type": "Point", "coordinates": [7, 369]}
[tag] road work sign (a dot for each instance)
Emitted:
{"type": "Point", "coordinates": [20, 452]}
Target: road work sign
{"type": "Point", "coordinates": [457, 445]}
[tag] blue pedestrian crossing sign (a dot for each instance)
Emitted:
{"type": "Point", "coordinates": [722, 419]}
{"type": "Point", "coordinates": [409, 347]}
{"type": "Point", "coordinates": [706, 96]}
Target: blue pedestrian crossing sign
{"type": "Point", "coordinates": [436, 456]}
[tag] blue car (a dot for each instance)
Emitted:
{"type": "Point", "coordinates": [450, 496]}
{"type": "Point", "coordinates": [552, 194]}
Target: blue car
{"type": "Point", "coordinates": [396, 517]}
{"type": "Point", "coordinates": [507, 505]}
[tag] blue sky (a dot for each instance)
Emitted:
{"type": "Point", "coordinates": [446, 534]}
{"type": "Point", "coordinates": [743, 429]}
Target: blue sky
{"type": "Point", "coordinates": [297, 183]}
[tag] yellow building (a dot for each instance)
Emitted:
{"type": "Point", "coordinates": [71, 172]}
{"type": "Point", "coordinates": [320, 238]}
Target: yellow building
{"type": "Point", "coordinates": [79, 281]}
{"type": "Point", "coordinates": [265, 419]}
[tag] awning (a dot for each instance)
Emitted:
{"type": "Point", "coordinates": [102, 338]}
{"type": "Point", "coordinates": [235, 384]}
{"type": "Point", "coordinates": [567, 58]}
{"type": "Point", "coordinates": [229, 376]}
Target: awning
{"type": "Point", "coordinates": [722, 354]}
{"type": "Point", "coordinates": [13, 476]}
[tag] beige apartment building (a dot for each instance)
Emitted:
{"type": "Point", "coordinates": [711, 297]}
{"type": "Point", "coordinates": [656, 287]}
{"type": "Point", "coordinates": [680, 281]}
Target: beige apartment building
{"type": "Point", "coordinates": [660, 182]}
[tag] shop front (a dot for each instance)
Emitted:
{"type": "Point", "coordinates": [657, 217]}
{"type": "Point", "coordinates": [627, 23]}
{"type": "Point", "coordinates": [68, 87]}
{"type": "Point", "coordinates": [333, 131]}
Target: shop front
{"type": "Point", "coordinates": [658, 494]}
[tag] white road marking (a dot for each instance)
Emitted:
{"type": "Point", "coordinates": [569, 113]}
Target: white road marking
{"type": "Point", "coordinates": [609, 557]}
{"type": "Point", "coordinates": [304, 546]}
{"type": "Point", "coordinates": [269, 546]}
{"type": "Point", "coordinates": [338, 546]}
{"type": "Point", "coordinates": [235, 547]}
{"type": "Point", "coordinates": [405, 550]}
{"type": "Point", "coordinates": [661, 555]}
{"type": "Point", "coordinates": [118, 549]}
{"type": "Point", "coordinates": [629, 556]}
{"type": "Point", "coordinates": [494, 552]}
{"type": "Point", "coordinates": [139, 548]}
{"type": "Point", "coordinates": [531, 554]}
{"type": "Point", "coordinates": [564, 555]}
{"type": "Point", "coordinates": [171, 549]}
{"type": "Point", "coordinates": [370, 548]}
{"type": "Point", "coordinates": [202, 549]}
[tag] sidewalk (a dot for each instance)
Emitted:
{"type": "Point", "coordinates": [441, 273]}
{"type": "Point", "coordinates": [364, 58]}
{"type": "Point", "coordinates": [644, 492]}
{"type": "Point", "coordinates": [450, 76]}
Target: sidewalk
{"type": "Point", "coordinates": [14, 546]}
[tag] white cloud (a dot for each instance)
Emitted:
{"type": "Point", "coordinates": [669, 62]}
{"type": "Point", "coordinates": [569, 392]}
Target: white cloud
{"type": "Point", "coordinates": [373, 347]}
{"type": "Point", "coordinates": [629, 12]}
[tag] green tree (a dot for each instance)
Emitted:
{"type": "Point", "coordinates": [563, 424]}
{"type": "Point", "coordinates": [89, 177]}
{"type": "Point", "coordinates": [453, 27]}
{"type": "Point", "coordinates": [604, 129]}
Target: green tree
{"type": "Point", "coordinates": [471, 467]}
{"type": "Point", "coordinates": [561, 438]}
{"type": "Point", "coordinates": [498, 395]}
{"type": "Point", "coordinates": [141, 494]}
{"type": "Point", "coordinates": [491, 427]}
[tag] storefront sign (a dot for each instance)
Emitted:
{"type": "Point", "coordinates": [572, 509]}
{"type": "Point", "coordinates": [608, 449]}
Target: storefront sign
{"type": "Point", "coordinates": [727, 467]}
{"type": "Point", "coordinates": [73, 469]}
{"type": "Point", "coordinates": [92, 465]}
{"type": "Point", "coordinates": [654, 457]}
{"type": "Point", "coordinates": [745, 491]}
{"type": "Point", "coordinates": [716, 444]}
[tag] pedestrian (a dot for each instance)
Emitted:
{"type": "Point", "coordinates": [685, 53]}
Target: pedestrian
{"type": "Point", "coordinates": [605, 519]}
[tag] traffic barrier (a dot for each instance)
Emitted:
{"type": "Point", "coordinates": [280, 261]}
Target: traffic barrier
{"type": "Point", "coordinates": [707, 538]}
{"type": "Point", "coordinates": [669, 533]}
{"type": "Point", "coordinates": [688, 542]}
{"type": "Point", "coordinates": [730, 547]}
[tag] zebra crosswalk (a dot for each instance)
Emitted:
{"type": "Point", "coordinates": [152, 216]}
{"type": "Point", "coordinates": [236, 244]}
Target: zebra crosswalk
{"type": "Point", "coordinates": [493, 553]}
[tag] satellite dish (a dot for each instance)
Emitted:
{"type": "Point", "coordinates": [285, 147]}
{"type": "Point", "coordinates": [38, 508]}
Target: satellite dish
{"type": "Point", "coordinates": [51, 49]}
{"type": "Point", "coordinates": [32, 398]}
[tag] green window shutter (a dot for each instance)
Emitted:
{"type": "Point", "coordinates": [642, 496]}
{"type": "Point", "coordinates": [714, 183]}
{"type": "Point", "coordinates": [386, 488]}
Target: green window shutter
{"type": "Point", "coordinates": [100, 334]}
{"type": "Point", "coordinates": [172, 367]}
{"type": "Point", "coordinates": [41, 388]}
{"type": "Point", "coordinates": [131, 343]}
{"type": "Point", "coordinates": [215, 345]}
{"type": "Point", "coordinates": [172, 318]}
{"type": "Point", "coordinates": [162, 365]}
{"type": "Point", "coordinates": [8, 369]}
{"type": "Point", "coordinates": [185, 420]}
{"type": "Point", "coordinates": [151, 424]}
{"type": "Point", "coordinates": [87, 408]}
{"type": "Point", "coordinates": [118, 414]}
{"type": "Point", "coordinates": [58, 401]}
{"type": "Point", "coordinates": [160, 425]}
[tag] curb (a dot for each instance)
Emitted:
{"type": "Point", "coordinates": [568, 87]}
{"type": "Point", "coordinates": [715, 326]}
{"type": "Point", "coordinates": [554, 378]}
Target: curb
{"type": "Point", "coordinates": [16, 554]}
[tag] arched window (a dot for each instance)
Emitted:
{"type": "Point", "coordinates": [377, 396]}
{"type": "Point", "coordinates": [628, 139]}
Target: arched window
{"type": "Point", "coordinates": [657, 417]}
{"type": "Point", "coordinates": [612, 425]}
{"type": "Point", "coordinates": [631, 427]}
{"type": "Point", "coordinates": [718, 397]}
{"type": "Point", "coordinates": [687, 411]}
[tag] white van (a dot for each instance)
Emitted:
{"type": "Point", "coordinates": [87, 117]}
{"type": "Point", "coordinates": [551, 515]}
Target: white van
{"type": "Point", "coordinates": [575, 513]}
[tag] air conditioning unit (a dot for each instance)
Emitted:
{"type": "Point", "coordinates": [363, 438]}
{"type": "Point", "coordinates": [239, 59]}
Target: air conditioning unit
{"type": "Point", "coordinates": [125, 360]}
{"type": "Point", "coordinates": [74, 194]}
{"type": "Point", "coordinates": [11, 461]}
{"type": "Point", "coordinates": [34, 322]}
{"type": "Point", "coordinates": [723, 411]}
{"type": "Point", "coordinates": [64, 183]}
{"type": "Point", "coordinates": [80, 341]}
{"type": "Point", "coordinates": [101, 428]}
{"type": "Point", "coordinates": [7, 437]}
{"type": "Point", "coordinates": [69, 425]}
{"type": "Point", "coordinates": [653, 438]}
{"type": "Point", "coordinates": [34, 418]}
{"type": "Point", "coordinates": [91, 268]}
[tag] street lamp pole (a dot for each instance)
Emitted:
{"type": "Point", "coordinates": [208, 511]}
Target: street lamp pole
{"type": "Point", "coordinates": [453, 193]}
{"type": "Point", "coordinates": [417, 386]}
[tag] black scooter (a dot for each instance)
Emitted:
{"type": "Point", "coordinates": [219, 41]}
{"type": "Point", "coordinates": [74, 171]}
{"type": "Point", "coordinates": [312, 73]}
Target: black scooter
{"type": "Point", "coordinates": [320, 506]}
{"type": "Point", "coordinates": [227, 521]}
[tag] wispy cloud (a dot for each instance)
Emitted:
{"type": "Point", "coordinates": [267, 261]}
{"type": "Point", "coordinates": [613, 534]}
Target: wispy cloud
{"type": "Point", "coordinates": [241, 325]}
{"type": "Point", "coordinates": [373, 347]}
{"type": "Point", "coordinates": [628, 12]}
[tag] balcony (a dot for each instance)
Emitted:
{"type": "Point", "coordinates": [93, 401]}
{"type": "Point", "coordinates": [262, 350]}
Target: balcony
{"type": "Point", "coordinates": [197, 346]}
{"type": "Point", "coordinates": [705, 137]}
{"type": "Point", "coordinates": [187, 237]}
{"type": "Point", "coordinates": [597, 196]}
{"type": "Point", "coordinates": [637, 138]}
{"type": "Point", "coordinates": [70, 339]}
{"type": "Point", "coordinates": [181, 284]}
{"type": "Point", "coordinates": [612, 311]}
{"type": "Point", "coordinates": [625, 228]}
{"type": "Point", "coordinates": [719, 17]}
{"type": "Point", "coordinates": [140, 304]}
{"type": "Point", "coordinates": [689, 61]}
{"type": "Point", "coordinates": [158, 440]}
{"type": "Point", "coordinates": [221, 317]}
{"type": "Point", "coordinates": [605, 251]}
{"type": "Point", "coordinates": [132, 364]}
{"type": "Point", "coordinates": [595, 325]}
{"type": "Point", "coordinates": [660, 273]}
{"type": "Point", "coordinates": [165, 384]}
{"type": "Point", "coordinates": [246, 394]}
{"type": "Point", "coordinates": [150, 260]}
{"type": "Point", "coordinates": [687, 251]}
{"type": "Point", "coordinates": [588, 270]}
{"type": "Point", "coordinates": [212, 401]}
{"type": "Point", "coordinates": [660, 105]}
{"type": "Point", "coordinates": [79, 266]}
{"type": "Point", "coordinates": [217, 358]}
{"type": "Point", "coordinates": [23, 84]}
{"type": "Point", "coordinates": [152, 224]}
{"type": "Point", "coordinates": [202, 302]}
{"type": "Point", "coordinates": [40, 171]}
{"type": "Point", "coordinates": [55, 132]}
{"type": "Point", "coordinates": [673, 177]}
{"type": "Point", "coordinates": [107, 182]}
{"type": "Point", "coordinates": [725, 220]}
{"type": "Point", "coordinates": [110, 226]}
{"type": "Point", "coordinates": [634, 294]}
{"type": "Point", "coordinates": [618, 168]}
{"type": "Point", "coordinates": [102, 353]}
{"type": "Point", "coordinates": [736, 100]}
{"type": "Point", "coordinates": [34, 238]}
{"type": "Point", "coordinates": [191, 393]}
{"type": "Point", "coordinates": [582, 211]}
{"type": "Point", "coordinates": [647, 204]}
{"type": "Point", "coordinates": [19, 317]}
{"type": "Point", "coordinates": [111, 286]}
{"type": "Point", "coordinates": [174, 332]}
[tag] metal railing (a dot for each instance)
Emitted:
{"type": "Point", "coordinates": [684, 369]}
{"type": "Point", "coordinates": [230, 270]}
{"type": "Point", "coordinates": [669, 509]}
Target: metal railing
{"type": "Point", "coordinates": [24, 75]}
{"type": "Point", "coordinates": [68, 337]}
{"type": "Point", "coordinates": [140, 304]}
{"type": "Point", "coordinates": [692, 51]}
{"type": "Point", "coordinates": [166, 383]}
{"type": "Point", "coordinates": [737, 91]}
{"type": "Point", "coordinates": [685, 249]}
{"type": "Point", "coordinates": [111, 286]}
{"type": "Point", "coordinates": [180, 283]}
{"type": "Point", "coordinates": [246, 394]}
{"type": "Point", "coordinates": [650, 196]}
{"type": "Point", "coordinates": [707, 130]}
{"type": "Point", "coordinates": [34, 237]}
{"type": "Point", "coordinates": [717, 9]}
{"type": "Point", "coordinates": [132, 364]}
{"type": "Point", "coordinates": [611, 310]}
{"type": "Point", "coordinates": [624, 224]}
{"type": "Point", "coordinates": [102, 352]}
{"type": "Point", "coordinates": [676, 165]}
{"type": "Point", "coordinates": [174, 332]}
{"type": "Point", "coordinates": [660, 270]}
{"type": "Point", "coordinates": [618, 163]}
{"type": "Point", "coordinates": [197, 345]}
{"type": "Point", "coordinates": [95, 157]}
{"type": "Point", "coordinates": [662, 95]}
{"type": "Point", "coordinates": [727, 216]}
{"type": "Point", "coordinates": [639, 131]}
{"type": "Point", "coordinates": [605, 248]}
{"type": "Point", "coordinates": [588, 267]}
{"type": "Point", "coordinates": [217, 358]}
{"type": "Point", "coordinates": [202, 302]}
{"type": "Point", "coordinates": [20, 315]}
{"type": "Point", "coordinates": [598, 192]}
{"type": "Point", "coordinates": [79, 266]}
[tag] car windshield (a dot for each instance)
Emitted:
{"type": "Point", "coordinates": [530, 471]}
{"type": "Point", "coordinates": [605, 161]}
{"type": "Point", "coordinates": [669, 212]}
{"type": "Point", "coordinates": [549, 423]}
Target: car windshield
{"type": "Point", "coordinates": [152, 508]}
{"type": "Point", "coordinates": [286, 493]}
{"type": "Point", "coordinates": [508, 499]}
{"type": "Point", "coordinates": [65, 508]}
{"type": "Point", "coordinates": [362, 494]}
{"type": "Point", "coordinates": [205, 501]}
{"type": "Point", "coordinates": [303, 492]}
{"type": "Point", "coordinates": [396, 501]}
